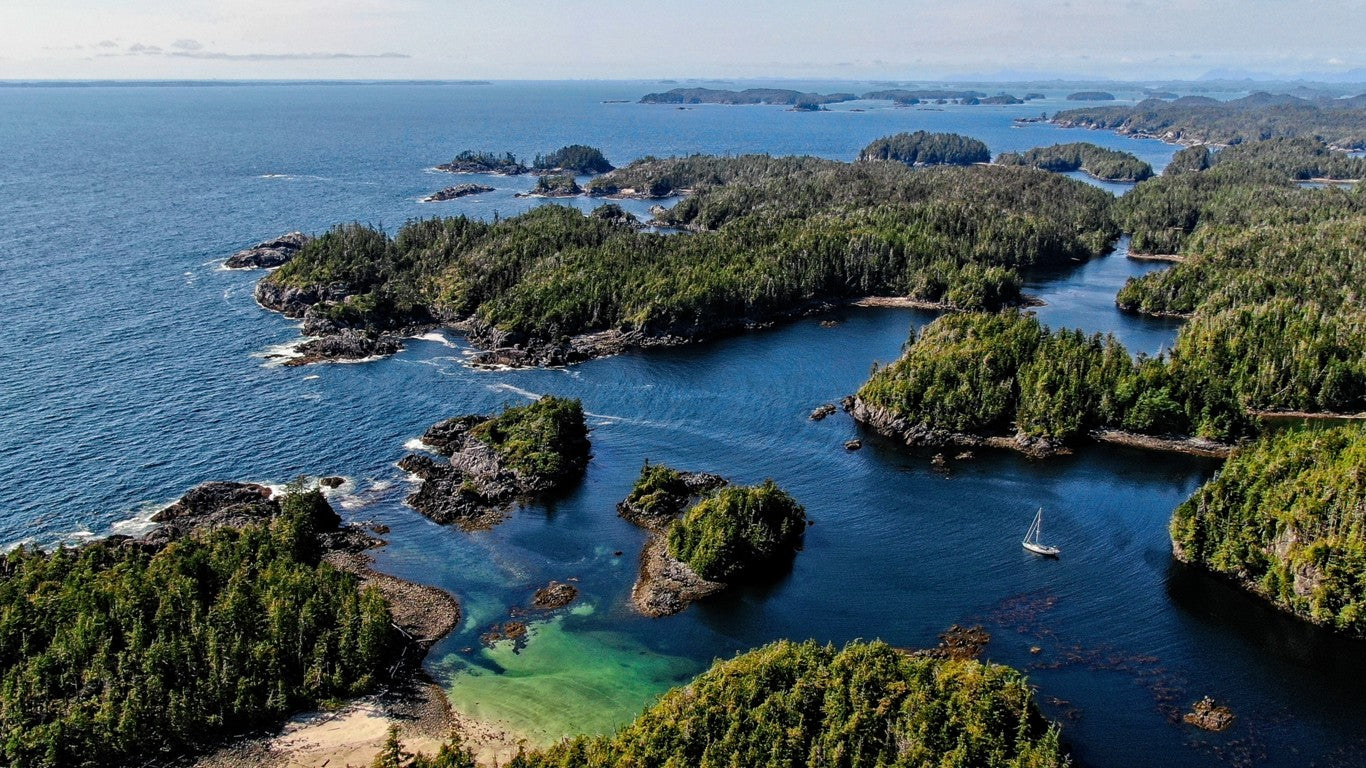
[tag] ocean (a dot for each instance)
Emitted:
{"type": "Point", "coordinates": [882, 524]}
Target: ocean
{"type": "Point", "coordinates": [136, 367]}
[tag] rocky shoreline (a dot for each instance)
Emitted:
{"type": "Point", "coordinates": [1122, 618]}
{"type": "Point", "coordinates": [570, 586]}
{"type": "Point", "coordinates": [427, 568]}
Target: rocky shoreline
{"type": "Point", "coordinates": [456, 192]}
{"type": "Point", "coordinates": [469, 484]}
{"type": "Point", "coordinates": [888, 424]}
{"type": "Point", "coordinates": [664, 585]}
{"type": "Point", "coordinates": [269, 254]}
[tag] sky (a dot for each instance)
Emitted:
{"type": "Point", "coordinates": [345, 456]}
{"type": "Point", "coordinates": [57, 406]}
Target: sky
{"type": "Point", "coordinates": [614, 39]}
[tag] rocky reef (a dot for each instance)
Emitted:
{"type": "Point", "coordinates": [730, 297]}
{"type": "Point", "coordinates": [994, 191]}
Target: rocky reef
{"type": "Point", "coordinates": [269, 254]}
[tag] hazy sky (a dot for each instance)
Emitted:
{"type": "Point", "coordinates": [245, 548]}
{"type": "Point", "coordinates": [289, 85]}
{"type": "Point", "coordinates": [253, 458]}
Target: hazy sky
{"type": "Point", "coordinates": [906, 39]}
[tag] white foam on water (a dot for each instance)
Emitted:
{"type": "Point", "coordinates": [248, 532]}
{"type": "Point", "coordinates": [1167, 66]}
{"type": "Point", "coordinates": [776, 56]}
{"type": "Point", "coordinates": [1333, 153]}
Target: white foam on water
{"type": "Point", "coordinates": [416, 444]}
{"type": "Point", "coordinates": [436, 336]}
{"type": "Point", "coordinates": [311, 377]}
{"type": "Point", "coordinates": [13, 545]}
{"type": "Point", "coordinates": [504, 386]}
{"type": "Point", "coordinates": [381, 485]}
{"type": "Point", "coordinates": [276, 355]}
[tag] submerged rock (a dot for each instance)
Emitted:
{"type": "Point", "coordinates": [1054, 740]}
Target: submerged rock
{"type": "Point", "coordinates": [269, 254]}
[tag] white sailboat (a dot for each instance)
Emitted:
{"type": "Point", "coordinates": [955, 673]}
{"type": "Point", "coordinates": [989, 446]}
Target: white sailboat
{"type": "Point", "coordinates": [1031, 540]}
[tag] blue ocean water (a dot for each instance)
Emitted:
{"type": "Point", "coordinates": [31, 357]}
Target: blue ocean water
{"type": "Point", "coordinates": [135, 367]}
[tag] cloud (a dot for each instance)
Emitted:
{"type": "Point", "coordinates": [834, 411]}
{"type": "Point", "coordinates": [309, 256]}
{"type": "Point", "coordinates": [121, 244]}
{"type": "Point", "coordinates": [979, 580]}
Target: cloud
{"type": "Point", "coordinates": [318, 56]}
{"type": "Point", "coordinates": [107, 44]}
{"type": "Point", "coordinates": [140, 48]}
{"type": "Point", "coordinates": [185, 44]}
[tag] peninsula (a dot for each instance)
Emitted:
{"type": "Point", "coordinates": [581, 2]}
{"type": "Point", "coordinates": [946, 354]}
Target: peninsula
{"type": "Point", "coordinates": [155, 621]}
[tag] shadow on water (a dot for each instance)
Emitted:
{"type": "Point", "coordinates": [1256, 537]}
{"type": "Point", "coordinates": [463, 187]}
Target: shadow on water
{"type": "Point", "coordinates": [1222, 604]}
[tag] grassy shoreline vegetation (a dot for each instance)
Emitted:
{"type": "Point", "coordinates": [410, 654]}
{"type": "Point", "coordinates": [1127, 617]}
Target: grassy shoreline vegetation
{"type": "Point", "coordinates": [768, 238]}
{"type": "Point", "coordinates": [789, 704]}
{"type": "Point", "coordinates": [119, 652]}
{"type": "Point", "coordinates": [1284, 519]}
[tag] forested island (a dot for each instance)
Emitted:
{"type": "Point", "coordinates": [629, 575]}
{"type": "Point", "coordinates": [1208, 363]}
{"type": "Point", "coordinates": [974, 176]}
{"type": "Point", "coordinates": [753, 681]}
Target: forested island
{"type": "Point", "coordinates": [1266, 278]}
{"type": "Point", "coordinates": [491, 461]}
{"type": "Point", "coordinates": [1203, 120]}
{"type": "Point", "coordinates": [770, 238]}
{"type": "Point", "coordinates": [1098, 162]}
{"type": "Point", "coordinates": [707, 535]}
{"type": "Point", "coordinates": [923, 148]}
{"type": "Point", "coordinates": [1091, 96]}
{"type": "Point", "coordinates": [240, 609]}
{"type": "Point", "coordinates": [572, 159]}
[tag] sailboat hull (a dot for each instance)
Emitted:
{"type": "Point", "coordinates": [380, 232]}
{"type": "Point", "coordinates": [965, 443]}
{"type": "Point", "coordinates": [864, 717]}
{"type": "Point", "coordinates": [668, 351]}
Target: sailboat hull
{"type": "Point", "coordinates": [1043, 550]}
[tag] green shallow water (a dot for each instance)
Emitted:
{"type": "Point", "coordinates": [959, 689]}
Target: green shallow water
{"type": "Point", "coordinates": [563, 682]}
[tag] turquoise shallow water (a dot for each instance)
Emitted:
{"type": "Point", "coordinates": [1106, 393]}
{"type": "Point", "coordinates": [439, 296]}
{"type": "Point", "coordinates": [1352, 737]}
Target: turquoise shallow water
{"type": "Point", "coordinates": [133, 370]}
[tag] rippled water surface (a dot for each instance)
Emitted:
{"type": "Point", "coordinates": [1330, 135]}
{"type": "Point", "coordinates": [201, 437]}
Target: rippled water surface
{"type": "Point", "coordinates": [134, 368]}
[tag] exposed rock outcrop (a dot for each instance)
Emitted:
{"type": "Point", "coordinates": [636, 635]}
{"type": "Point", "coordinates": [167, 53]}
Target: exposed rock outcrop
{"type": "Point", "coordinates": [455, 192]}
{"type": "Point", "coordinates": [886, 423]}
{"type": "Point", "coordinates": [554, 595]}
{"type": "Point", "coordinates": [1209, 716]}
{"type": "Point", "coordinates": [219, 504]}
{"type": "Point", "coordinates": [469, 484]}
{"type": "Point", "coordinates": [269, 254]}
{"type": "Point", "coordinates": [346, 344]}
{"type": "Point", "coordinates": [665, 585]}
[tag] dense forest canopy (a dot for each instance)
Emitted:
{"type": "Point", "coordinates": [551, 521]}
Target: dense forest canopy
{"type": "Point", "coordinates": [923, 148]}
{"type": "Point", "coordinates": [791, 233]}
{"type": "Point", "coordinates": [1102, 163]}
{"type": "Point", "coordinates": [116, 652]}
{"type": "Point", "coordinates": [1006, 374]}
{"type": "Point", "coordinates": [575, 158]}
{"type": "Point", "coordinates": [737, 530]}
{"type": "Point", "coordinates": [801, 704]}
{"type": "Point", "coordinates": [1339, 122]}
{"type": "Point", "coordinates": [547, 439]}
{"type": "Point", "coordinates": [1285, 518]}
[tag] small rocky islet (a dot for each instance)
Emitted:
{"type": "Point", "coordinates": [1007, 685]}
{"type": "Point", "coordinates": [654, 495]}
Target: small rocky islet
{"type": "Point", "coordinates": [456, 192]}
{"type": "Point", "coordinates": [706, 535]}
{"type": "Point", "coordinates": [481, 465]}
